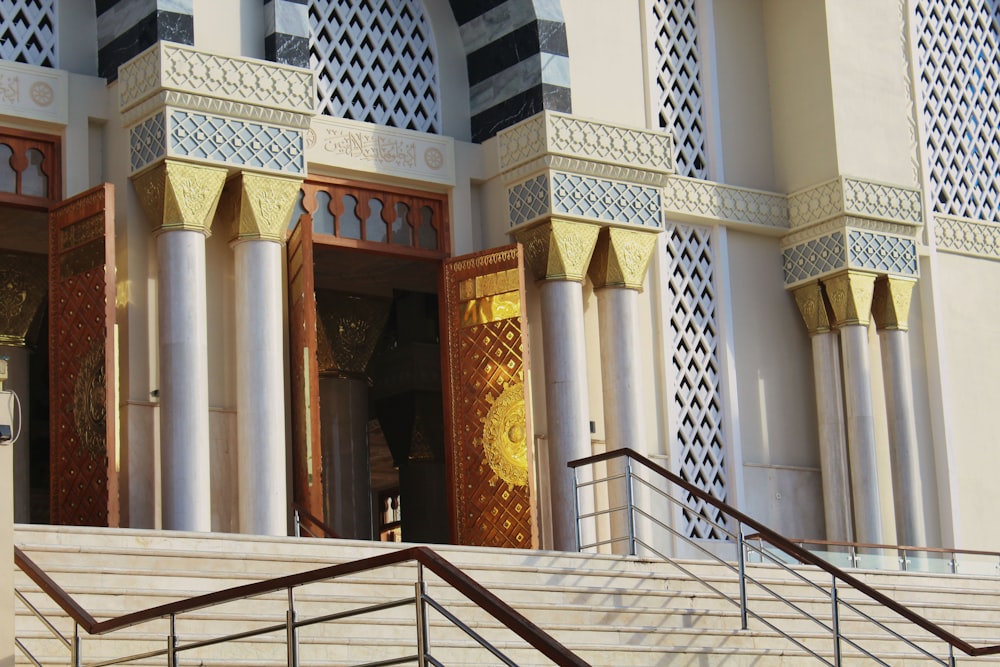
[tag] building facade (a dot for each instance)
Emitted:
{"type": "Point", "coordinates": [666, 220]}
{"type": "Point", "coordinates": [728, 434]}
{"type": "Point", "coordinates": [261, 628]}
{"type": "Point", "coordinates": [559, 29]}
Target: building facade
{"type": "Point", "coordinates": [383, 256]}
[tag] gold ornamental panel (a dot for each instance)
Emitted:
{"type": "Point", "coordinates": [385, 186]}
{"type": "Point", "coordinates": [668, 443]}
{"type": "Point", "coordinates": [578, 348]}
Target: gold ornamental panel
{"type": "Point", "coordinates": [265, 206]}
{"type": "Point", "coordinates": [621, 258]}
{"type": "Point", "coordinates": [504, 436]}
{"type": "Point", "coordinates": [891, 303]}
{"type": "Point", "coordinates": [559, 250]}
{"type": "Point", "coordinates": [813, 308]}
{"type": "Point", "coordinates": [180, 196]}
{"type": "Point", "coordinates": [22, 293]}
{"type": "Point", "coordinates": [850, 294]}
{"type": "Point", "coordinates": [348, 328]}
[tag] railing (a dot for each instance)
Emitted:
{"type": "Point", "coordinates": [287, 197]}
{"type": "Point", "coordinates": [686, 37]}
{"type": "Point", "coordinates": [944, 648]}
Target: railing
{"type": "Point", "coordinates": [426, 559]}
{"type": "Point", "coordinates": [303, 518]}
{"type": "Point", "coordinates": [638, 524]}
{"type": "Point", "coordinates": [894, 557]}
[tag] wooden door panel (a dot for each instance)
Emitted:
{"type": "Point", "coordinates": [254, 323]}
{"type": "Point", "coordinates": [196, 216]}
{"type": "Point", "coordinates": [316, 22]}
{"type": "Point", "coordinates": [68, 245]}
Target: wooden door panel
{"type": "Point", "coordinates": [488, 458]}
{"type": "Point", "coordinates": [82, 374]}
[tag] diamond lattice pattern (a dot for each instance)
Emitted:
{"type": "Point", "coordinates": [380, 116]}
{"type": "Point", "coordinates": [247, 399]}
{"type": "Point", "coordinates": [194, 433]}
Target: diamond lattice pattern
{"type": "Point", "coordinates": [375, 62]}
{"type": "Point", "coordinates": [28, 31]}
{"type": "Point", "coordinates": [697, 374]}
{"type": "Point", "coordinates": [959, 64]}
{"type": "Point", "coordinates": [678, 80]}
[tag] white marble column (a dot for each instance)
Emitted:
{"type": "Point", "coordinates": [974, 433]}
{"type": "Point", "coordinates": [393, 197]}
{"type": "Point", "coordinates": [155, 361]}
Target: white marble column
{"type": "Point", "coordinates": [891, 310]}
{"type": "Point", "coordinates": [265, 206]}
{"type": "Point", "coordinates": [829, 412]}
{"type": "Point", "coordinates": [850, 295]}
{"type": "Point", "coordinates": [618, 271]}
{"type": "Point", "coordinates": [180, 200]}
{"type": "Point", "coordinates": [558, 253]}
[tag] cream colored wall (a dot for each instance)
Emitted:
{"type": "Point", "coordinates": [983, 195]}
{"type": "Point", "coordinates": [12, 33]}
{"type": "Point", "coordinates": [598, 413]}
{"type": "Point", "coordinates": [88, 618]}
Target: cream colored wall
{"type": "Point", "coordinates": [452, 71]}
{"type": "Point", "coordinates": [873, 109]}
{"type": "Point", "coordinates": [77, 28]}
{"type": "Point", "coordinates": [230, 27]}
{"type": "Point", "coordinates": [800, 93]}
{"type": "Point", "coordinates": [970, 315]}
{"type": "Point", "coordinates": [744, 104]}
{"type": "Point", "coordinates": [606, 65]}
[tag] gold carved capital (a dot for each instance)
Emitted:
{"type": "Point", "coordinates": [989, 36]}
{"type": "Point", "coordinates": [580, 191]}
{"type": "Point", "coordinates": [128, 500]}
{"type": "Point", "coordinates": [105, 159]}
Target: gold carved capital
{"type": "Point", "coordinates": [813, 307]}
{"type": "Point", "coordinates": [891, 302]}
{"type": "Point", "coordinates": [265, 206]}
{"type": "Point", "coordinates": [850, 294]}
{"type": "Point", "coordinates": [621, 258]}
{"type": "Point", "coordinates": [180, 196]}
{"type": "Point", "coordinates": [559, 250]}
{"type": "Point", "coordinates": [23, 287]}
{"type": "Point", "coordinates": [348, 328]}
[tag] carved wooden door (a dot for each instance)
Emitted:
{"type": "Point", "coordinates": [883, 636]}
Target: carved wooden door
{"type": "Point", "coordinates": [84, 453]}
{"type": "Point", "coordinates": [307, 462]}
{"type": "Point", "coordinates": [488, 455]}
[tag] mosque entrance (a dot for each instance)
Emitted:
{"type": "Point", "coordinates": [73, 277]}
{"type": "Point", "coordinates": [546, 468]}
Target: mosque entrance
{"type": "Point", "coordinates": [389, 406]}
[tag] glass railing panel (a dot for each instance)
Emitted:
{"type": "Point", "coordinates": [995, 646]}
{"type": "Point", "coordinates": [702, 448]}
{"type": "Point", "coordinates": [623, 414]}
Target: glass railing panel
{"type": "Point", "coordinates": [872, 558]}
{"type": "Point", "coordinates": [979, 564]}
{"type": "Point", "coordinates": [838, 556]}
{"type": "Point", "coordinates": [932, 562]}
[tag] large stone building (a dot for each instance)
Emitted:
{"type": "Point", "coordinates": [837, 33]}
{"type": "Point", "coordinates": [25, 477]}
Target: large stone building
{"type": "Point", "coordinates": [259, 252]}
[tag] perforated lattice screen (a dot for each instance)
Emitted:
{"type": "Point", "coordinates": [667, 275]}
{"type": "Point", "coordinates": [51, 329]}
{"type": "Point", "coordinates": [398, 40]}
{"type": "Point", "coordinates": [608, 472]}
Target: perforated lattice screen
{"type": "Point", "coordinates": [959, 72]}
{"type": "Point", "coordinates": [678, 81]}
{"type": "Point", "coordinates": [375, 62]}
{"type": "Point", "coordinates": [28, 31]}
{"type": "Point", "coordinates": [694, 348]}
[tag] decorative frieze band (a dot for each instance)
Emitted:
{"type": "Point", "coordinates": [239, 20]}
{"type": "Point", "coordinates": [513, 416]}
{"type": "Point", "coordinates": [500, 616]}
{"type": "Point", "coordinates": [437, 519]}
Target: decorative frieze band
{"type": "Point", "coordinates": [184, 69]}
{"type": "Point", "coordinates": [963, 236]}
{"type": "Point", "coordinates": [365, 147]}
{"type": "Point", "coordinates": [39, 93]}
{"type": "Point", "coordinates": [176, 133]}
{"type": "Point", "coordinates": [584, 198]}
{"type": "Point", "coordinates": [690, 199]}
{"type": "Point", "coordinates": [850, 249]}
{"type": "Point", "coordinates": [854, 197]}
{"type": "Point", "coordinates": [550, 133]}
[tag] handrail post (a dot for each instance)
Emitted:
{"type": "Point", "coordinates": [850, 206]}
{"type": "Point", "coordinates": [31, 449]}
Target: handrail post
{"type": "Point", "coordinates": [291, 631]}
{"type": "Point", "coordinates": [172, 642]}
{"type": "Point", "coordinates": [835, 619]}
{"type": "Point", "coordinates": [298, 523]}
{"type": "Point", "coordinates": [630, 503]}
{"type": "Point", "coordinates": [423, 641]}
{"type": "Point", "coordinates": [576, 506]}
{"type": "Point", "coordinates": [951, 656]}
{"type": "Point", "coordinates": [741, 561]}
{"type": "Point", "coordinates": [76, 659]}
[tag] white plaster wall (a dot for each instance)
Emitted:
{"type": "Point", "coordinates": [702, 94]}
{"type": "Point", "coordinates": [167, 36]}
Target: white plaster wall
{"type": "Point", "coordinates": [970, 317]}
{"type": "Point", "coordinates": [247, 16]}
{"type": "Point", "coordinates": [606, 60]}
{"type": "Point", "coordinates": [76, 24]}
{"type": "Point", "coordinates": [744, 104]}
{"type": "Point", "coordinates": [800, 90]}
{"type": "Point", "coordinates": [785, 498]}
{"type": "Point", "coordinates": [452, 71]}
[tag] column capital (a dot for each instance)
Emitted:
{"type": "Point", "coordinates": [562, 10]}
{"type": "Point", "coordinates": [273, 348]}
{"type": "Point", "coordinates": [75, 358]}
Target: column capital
{"type": "Point", "coordinates": [891, 303]}
{"type": "Point", "coordinates": [180, 196]}
{"type": "Point", "coordinates": [813, 307]}
{"type": "Point", "coordinates": [850, 295]}
{"type": "Point", "coordinates": [621, 258]}
{"type": "Point", "coordinates": [264, 206]}
{"type": "Point", "coordinates": [558, 249]}
{"type": "Point", "coordinates": [23, 286]}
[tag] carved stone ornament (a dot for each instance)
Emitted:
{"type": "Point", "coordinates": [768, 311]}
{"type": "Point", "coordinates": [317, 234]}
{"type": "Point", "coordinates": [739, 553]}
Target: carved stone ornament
{"type": "Point", "coordinates": [621, 258]}
{"type": "Point", "coordinates": [850, 294]}
{"type": "Point", "coordinates": [22, 293]}
{"type": "Point", "coordinates": [559, 250]}
{"type": "Point", "coordinates": [891, 303]}
{"type": "Point", "coordinates": [265, 206]}
{"type": "Point", "coordinates": [89, 406]}
{"type": "Point", "coordinates": [349, 327]}
{"type": "Point", "coordinates": [813, 307]}
{"type": "Point", "coordinates": [504, 442]}
{"type": "Point", "coordinates": [180, 196]}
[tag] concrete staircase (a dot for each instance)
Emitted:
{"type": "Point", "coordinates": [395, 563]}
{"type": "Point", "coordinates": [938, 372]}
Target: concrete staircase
{"type": "Point", "coordinates": [609, 610]}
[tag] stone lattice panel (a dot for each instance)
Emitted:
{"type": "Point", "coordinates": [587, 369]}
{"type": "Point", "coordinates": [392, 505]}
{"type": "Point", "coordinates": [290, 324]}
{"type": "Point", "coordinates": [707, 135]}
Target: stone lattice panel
{"type": "Point", "coordinates": [148, 141]}
{"type": "Point", "coordinates": [28, 32]}
{"type": "Point", "coordinates": [958, 55]}
{"type": "Point", "coordinates": [528, 200]}
{"type": "Point", "coordinates": [236, 142]}
{"type": "Point", "coordinates": [376, 62]}
{"type": "Point", "coordinates": [697, 374]}
{"type": "Point", "coordinates": [882, 253]}
{"type": "Point", "coordinates": [717, 201]}
{"type": "Point", "coordinates": [610, 201]}
{"type": "Point", "coordinates": [968, 237]}
{"type": "Point", "coordinates": [815, 257]}
{"type": "Point", "coordinates": [677, 63]}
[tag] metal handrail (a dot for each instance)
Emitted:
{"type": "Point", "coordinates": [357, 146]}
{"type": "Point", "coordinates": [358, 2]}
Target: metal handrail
{"type": "Point", "coordinates": [299, 513]}
{"type": "Point", "coordinates": [423, 556]}
{"type": "Point", "coordinates": [839, 577]}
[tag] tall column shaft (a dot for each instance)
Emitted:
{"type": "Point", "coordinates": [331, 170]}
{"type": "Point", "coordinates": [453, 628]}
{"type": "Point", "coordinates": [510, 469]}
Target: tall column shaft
{"type": "Point", "coordinates": [260, 388]}
{"type": "Point", "coordinates": [184, 439]}
{"type": "Point", "coordinates": [566, 398]}
{"type": "Point", "coordinates": [347, 496]}
{"type": "Point", "coordinates": [832, 437]}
